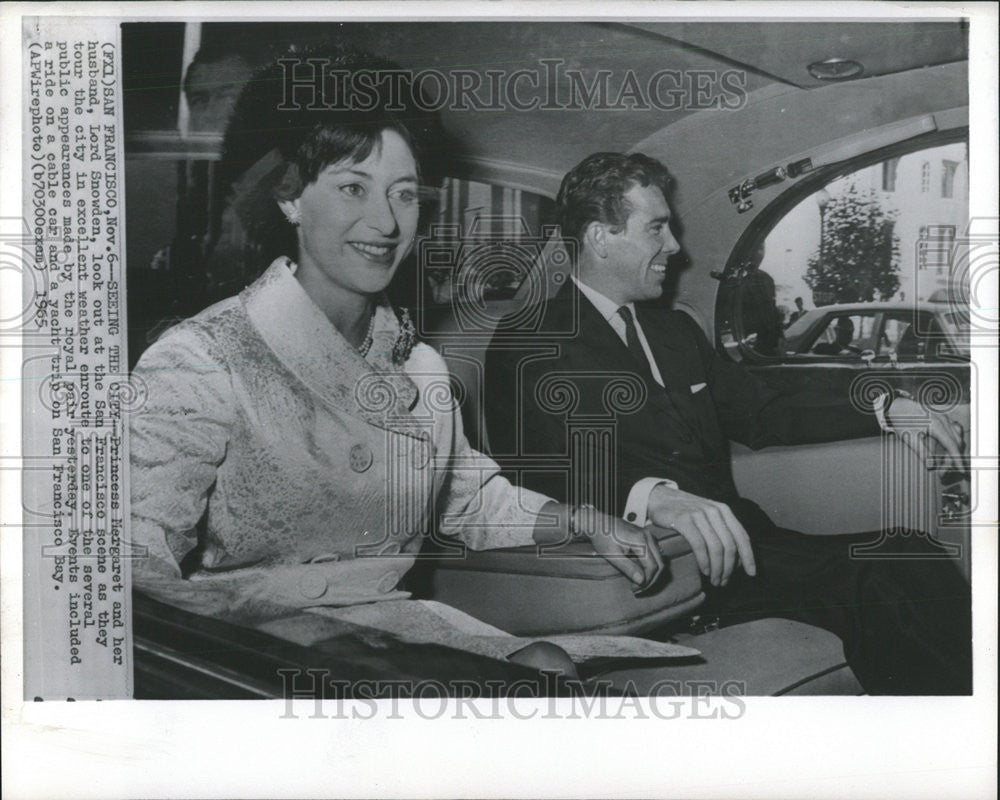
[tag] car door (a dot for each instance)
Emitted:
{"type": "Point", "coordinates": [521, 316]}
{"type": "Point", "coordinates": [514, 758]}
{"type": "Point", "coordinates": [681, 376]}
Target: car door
{"type": "Point", "coordinates": [852, 249]}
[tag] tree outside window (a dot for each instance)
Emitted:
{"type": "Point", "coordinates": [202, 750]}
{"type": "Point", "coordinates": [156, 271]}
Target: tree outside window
{"type": "Point", "coordinates": [858, 255]}
{"type": "Point", "coordinates": [924, 227]}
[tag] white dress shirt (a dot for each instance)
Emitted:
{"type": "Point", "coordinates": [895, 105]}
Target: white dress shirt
{"type": "Point", "coordinates": [609, 310]}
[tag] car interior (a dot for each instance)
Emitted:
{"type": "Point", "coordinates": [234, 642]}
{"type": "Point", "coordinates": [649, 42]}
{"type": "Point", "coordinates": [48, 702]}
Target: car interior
{"type": "Point", "coordinates": [809, 125]}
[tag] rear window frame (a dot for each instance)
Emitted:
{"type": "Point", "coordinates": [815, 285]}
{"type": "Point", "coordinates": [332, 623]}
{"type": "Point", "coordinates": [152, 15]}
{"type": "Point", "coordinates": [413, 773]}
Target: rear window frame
{"type": "Point", "coordinates": [727, 339]}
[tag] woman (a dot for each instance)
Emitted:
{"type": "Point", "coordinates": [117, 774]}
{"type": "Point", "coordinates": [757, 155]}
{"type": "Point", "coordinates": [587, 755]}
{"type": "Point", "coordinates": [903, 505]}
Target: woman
{"type": "Point", "coordinates": [299, 424]}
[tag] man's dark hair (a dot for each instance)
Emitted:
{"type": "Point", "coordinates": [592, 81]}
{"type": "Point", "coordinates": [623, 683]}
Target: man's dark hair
{"type": "Point", "coordinates": [595, 189]}
{"type": "Point", "coordinates": [844, 329]}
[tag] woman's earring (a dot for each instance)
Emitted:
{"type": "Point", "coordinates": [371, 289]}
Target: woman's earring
{"type": "Point", "coordinates": [293, 215]}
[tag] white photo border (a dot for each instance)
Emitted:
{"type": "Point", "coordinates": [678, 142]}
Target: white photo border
{"type": "Point", "coordinates": [843, 747]}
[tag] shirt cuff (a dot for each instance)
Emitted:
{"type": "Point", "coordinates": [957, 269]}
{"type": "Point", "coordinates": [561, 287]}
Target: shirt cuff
{"type": "Point", "coordinates": [637, 505]}
{"type": "Point", "coordinates": [519, 520]}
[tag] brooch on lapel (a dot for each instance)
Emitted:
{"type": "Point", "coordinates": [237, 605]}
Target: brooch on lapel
{"type": "Point", "coordinates": [406, 339]}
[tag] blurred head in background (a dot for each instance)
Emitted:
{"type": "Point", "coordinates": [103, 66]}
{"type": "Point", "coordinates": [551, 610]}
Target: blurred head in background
{"type": "Point", "coordinates": [212, 85]}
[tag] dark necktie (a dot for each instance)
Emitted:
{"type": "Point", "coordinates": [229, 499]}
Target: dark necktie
{"type": "Point", "coordinates": [633, 343]}
{"type": "Point", "coordinates": [635, 348]}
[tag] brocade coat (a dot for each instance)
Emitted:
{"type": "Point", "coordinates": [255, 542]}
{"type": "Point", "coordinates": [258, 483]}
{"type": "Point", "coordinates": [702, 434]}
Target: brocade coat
{"type": "Point", "coordinates": [305, 474]}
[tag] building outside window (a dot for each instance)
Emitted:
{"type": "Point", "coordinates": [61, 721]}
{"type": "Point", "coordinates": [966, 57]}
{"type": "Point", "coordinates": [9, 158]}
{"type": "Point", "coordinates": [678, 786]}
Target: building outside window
{"type": "Point", "coordinates": [949, 168]}
{"type": "Point", "coordinates": [889, 169]}
{"type": "Point", "coordinates": [934, 247]}
{"type": "Point", "coordinates": [925, 177]}
{"type": "Point", "coordinates": [922, 226]}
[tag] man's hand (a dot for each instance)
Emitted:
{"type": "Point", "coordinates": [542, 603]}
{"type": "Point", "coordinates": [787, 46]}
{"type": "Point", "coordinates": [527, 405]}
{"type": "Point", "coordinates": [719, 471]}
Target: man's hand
{"type": "Point", "coordinates": [949, 434]}
{"type": "Point", "coordinates": [716, 536]}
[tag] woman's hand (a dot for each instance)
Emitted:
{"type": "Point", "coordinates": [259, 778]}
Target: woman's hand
{"type": "Point", "coordinates": [631, 550]}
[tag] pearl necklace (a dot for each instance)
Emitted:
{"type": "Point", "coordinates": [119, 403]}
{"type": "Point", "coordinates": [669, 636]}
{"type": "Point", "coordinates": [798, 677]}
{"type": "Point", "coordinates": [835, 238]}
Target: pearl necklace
{"type": "Point", "coordinates": [369, 340]}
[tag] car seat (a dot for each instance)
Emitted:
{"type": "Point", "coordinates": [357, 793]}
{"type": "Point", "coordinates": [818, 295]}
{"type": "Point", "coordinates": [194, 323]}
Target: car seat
{"type": "Point", "coordinates": [513, 590]}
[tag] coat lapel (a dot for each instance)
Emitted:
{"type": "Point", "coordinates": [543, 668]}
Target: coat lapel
{"type": "Point", "coordinates": [670, 355]}
{"type": "Point", "coordinates": [601, 348]}
{"type": "Point", "coordinates": [311, 348]}
{"type": "Point", "coordinates": [595, 340]}
{"type": "Point", "coordinates": [673, 360]}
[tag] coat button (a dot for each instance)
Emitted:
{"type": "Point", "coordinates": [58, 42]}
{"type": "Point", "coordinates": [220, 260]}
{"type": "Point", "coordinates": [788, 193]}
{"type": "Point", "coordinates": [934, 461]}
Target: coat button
{"type": "Point", "coordinates": [631, 516]}
{"type": "Point", "coordinates": [313, 585]}
{"type": "Point", "coordinates": [388, 582]}
{"type": "Point", "coordinates": [686, 437]}
{"type": "Point", "coordinates": [361, 457]}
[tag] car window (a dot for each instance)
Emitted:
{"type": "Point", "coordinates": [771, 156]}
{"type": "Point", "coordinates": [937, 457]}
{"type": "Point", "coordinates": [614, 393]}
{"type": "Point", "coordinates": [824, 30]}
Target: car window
{"type": "Point", "coordinates": [895, 328]}
{"type": "Point", "coordinates": [871, 236]}
{"type": "Point", "coordinates": [957, 325]}
{"type": "Point", "coordinates": [913, 337]}
{"type": "Point", "coordinates": [843, 335]}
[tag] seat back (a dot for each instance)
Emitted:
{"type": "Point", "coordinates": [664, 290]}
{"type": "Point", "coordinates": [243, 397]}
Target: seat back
{"type": "Point", "coordinates": [461, 330]}
{"type": "Point", "coordinates": [463, 348]}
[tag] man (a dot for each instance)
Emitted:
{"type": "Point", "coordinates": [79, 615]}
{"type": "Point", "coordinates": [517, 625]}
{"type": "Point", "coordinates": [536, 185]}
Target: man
{"type": "Point", "coordinates": [759, 307]}
{"type": "Point", "coordinates": [798, 312]}
{"type": "Point", "coordinates": [905, 624]}
{"type": "Point", "coordinates": [212, 84]}
{"type": "Point", "coordinates": [204, 262]}
{"type": "Point", "coordinates": [843, 335]}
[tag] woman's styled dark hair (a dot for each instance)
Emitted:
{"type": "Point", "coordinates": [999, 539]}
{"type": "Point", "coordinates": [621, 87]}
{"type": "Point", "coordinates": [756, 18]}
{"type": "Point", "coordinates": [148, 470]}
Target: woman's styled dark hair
{"type": "Point", "coordinates": [310, 109]}
{"type": "Point", "coordinates": [594, 190]}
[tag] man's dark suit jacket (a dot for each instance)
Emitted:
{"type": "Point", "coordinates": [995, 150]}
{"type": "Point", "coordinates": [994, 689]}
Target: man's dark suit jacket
{"type": "Point", "coordinates": [680, 433]}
